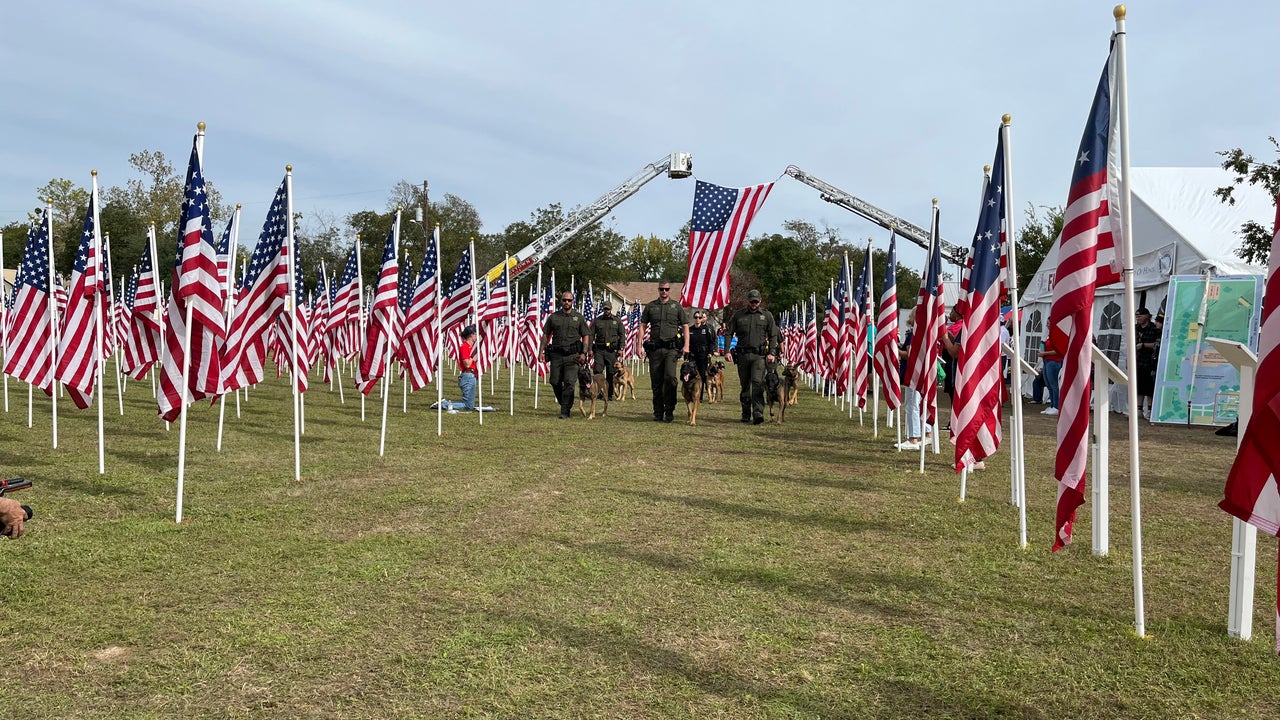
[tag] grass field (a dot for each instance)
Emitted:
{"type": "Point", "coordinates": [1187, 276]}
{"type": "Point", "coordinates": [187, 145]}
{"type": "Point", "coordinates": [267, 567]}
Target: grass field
{"type": "Point", "coordinates": [618, 568]}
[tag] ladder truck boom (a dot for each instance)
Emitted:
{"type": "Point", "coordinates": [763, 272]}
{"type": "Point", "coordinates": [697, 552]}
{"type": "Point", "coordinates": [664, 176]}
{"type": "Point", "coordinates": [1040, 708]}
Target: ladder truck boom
{"type": "Point", "coordinates": [676, 165]}
{"type": "Point", "coordinates": [916, 234]}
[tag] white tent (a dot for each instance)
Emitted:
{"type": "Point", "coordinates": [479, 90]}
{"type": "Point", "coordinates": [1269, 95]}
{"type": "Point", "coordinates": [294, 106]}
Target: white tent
{"type": "Point", "coordinates": [1179, 228]}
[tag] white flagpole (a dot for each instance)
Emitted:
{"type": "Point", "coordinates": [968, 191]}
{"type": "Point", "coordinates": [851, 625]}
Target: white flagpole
{"type": "Point", "coordinates": [1017, 448]}
{"type": "Point", "coordinates": [4, 324]}
{"type": "Point", "coordinates": [53, 327]}
{"type": "Point", "coordinates": [229, 310]}
{"type": "Point", "coordinates": [360, 318]}
{"type": "Point", "coordinates": [475, 312]}
{"type": "Point", "coordinates": [439, 339]}
{"type": "Point", "coordinates": [387, 329]}
{"type": "Point", "coordinates": [97, 326]}
{"type": "Point", "coordinates": [294, 311]}
{"type": "Point", "coordinates": [186, 357]}
{"type": "Point", "coordinates": [1121, 94]}
{"type": "Point", "coordinates": [867, 321]}
{"type": "Point", "coordinates": [513, 336]}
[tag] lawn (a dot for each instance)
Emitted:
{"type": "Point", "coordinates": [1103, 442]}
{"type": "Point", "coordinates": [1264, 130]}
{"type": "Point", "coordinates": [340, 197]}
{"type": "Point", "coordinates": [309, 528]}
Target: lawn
{"type": "Point", "coordinates": [615, 568]}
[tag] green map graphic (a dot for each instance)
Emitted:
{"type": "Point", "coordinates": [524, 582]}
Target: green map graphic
{"type": "Point", "coordinates": [1232, 312]}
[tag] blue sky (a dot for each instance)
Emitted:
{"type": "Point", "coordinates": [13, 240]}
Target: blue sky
{"type": "Point", "coordinates": [513, 106]}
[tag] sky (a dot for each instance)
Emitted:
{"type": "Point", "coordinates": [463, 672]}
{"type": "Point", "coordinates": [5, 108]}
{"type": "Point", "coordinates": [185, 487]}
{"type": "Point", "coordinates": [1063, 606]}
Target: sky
{"type": "Point", "coordinates": [513, 106]}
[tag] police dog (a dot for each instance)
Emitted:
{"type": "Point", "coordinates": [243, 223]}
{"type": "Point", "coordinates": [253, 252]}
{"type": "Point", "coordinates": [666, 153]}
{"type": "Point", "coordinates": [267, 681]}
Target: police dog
{"type": "Point", "coordinates": [773, 393]}
{"type": "Point", "coordinates": [790, 385]}
{"type": "Point", "coordinates": [623, 379]}
{"type": "Point", "coordinates": [595, 385]}
{"type": "Point", "coordinates": [715, 381]}
{"type": "Point", "coordinates": [691, 387]}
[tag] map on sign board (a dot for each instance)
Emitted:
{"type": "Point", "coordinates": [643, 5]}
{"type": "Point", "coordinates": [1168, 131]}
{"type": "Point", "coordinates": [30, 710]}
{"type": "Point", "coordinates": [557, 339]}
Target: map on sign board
{"type": "Point", "coordinates": [1189, 368]}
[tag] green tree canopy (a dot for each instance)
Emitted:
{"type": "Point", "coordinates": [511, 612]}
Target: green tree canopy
{"type": "Point", "coordinates": [1255, 245]}
{"type": "Point", "coordinates": [651, 258]}
{"type": "Point", "coordinates": [1035, 239]}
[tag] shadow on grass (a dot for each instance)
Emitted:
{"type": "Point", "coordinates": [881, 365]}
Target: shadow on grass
{"type": "Point", "coordinates": [908, 700]}
{"type": "Point", "coordinates": [843, 590]}
{"type": "Point", "coordinates": [833, 523]}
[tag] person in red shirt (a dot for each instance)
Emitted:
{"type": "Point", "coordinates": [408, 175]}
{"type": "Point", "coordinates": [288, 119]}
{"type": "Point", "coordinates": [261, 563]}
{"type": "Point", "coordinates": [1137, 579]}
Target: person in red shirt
{"type": "Point", "coordinates": [467, 368]}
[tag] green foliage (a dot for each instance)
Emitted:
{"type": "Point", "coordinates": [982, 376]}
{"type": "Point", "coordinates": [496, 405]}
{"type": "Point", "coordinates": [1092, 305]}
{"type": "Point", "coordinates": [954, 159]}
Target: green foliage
{"type": "Point", "coordinates": [1035, 239]}
{"type": "Point", "coordinates": [1255, 245]}
{"type": "Point", "coordinates": [594, 255]}
{"type": "Point", "coordinates": [651, 258]}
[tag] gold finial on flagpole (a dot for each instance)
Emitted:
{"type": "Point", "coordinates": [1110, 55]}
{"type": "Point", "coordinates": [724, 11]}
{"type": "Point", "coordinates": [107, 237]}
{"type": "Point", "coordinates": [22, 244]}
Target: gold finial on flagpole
{"type": "Point", "coordinates": [986, 169]}
{"type": "Point", "coordinates": [238, 206]}
{"type": "Point", "coordinates": [1007, 118]}
{"type": "Point", "coordinates": [399, 208]}
{"type": "Point", "coordinates": [93, 173]}
{"type": "Point", "coordinates": [1119, 12]}
{"type": "Point", "coordinates": [200, 126]}
{"type": "Point", "coordinates": [935, 202]}
{"type": "Point", "coordinates": [288, 168]}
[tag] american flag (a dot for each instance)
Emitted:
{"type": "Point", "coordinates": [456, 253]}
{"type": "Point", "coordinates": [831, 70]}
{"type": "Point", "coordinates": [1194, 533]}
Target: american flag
{"type": "Point", "coordinates": [975, 423]}
{"type": "Point", "coordinates": [378, 343]}
{"type": "Point", "coordinates": [144, 320]}
{"type": "Point", "coordinates": [30, 349]}
{"type": "Point", "coordinates": [499, 305]}
{"type": "Point", "coordinates": [1086, 249]}
{"type": "Point", "coordinates": [861, 345]}
{"type": "Point", "coordinates": [812, 358]}
{"type": "Point", "coordinates": [721, 218]}
{"type": "Point", "coordinates": [922, 356]}
{"type": "Point", "coordinates": [588, 306]}
{"type": "Point", "coordinates": [60, 299]}
{"type": "Point", "coordinates": [140, 339]}
{"type": "Point", "coordinates": [79, 354]}
{"type": "Point", "coordinates": [194, 286]}
{"type": "Point", "coordinates": [848, 329]}
{"type": "Point", "coordinates": [346, 305]}
{"type": "Point", "coordinates": [108, 312]}
{"type": "Point", "coordinates": [260, 298]}
{"type": "Point", "coordinates": [886, 355]}
{"type": "Point", "coordinates": [296, 322]}
{"type": "Point", "coordinates": [420, 320]}
{"type": "Point", "coordinates": [404, 296]}
{"type": "Point", "coordinates": [224, 256]}
{"type": "Point", "coordinates": [832, 324]}
{"type": "Point", "coordinates": [633, 330]}
{"type": "Point", "coordinates": [1251, 493]}
{"type": "Point", "coordinates": [457, 301]}
{"type": "Point", "coordinates": [529, 333]}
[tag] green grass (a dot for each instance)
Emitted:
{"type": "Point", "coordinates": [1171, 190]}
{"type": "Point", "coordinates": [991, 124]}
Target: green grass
{"type": "Point", "coordinates": [618, 568]}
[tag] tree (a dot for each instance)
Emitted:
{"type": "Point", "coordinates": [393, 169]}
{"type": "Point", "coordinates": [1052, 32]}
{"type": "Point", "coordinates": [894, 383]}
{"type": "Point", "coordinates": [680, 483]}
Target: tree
{"type": "Point", "coordinates": [652, 258]}
{"type": "Point", "coordinates": [69, 203]}
{"type": "Point", "coordinates": [1035, 239]}
{"type": "Point", "coordinates": [594, 255]}
{"type": "Point", "coordinates": [1255, 245]}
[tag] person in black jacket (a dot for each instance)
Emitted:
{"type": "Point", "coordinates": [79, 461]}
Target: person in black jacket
{"type": "Point", "coordinates": [702, 342]}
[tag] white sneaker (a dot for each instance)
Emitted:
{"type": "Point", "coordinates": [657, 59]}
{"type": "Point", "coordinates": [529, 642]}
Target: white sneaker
{"type": "Point", "coordinates": [451, 411]}
{"type": "Point", "coordinates": [908, 445]}
{"type": "Point", "coordinates": [1050, 411]}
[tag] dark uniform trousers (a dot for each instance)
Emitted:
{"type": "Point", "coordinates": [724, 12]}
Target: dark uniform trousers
{"type": "Point", "coordinates": [563, 377]}
{"type": "Point", "coordinates": [751, 378]}
{"type": "Point", "coordinates": [604, 360]}
{"type": "Point", "coordinates": [664, 375]}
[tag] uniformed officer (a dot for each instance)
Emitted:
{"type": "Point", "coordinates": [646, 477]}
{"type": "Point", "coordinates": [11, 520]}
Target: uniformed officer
{"type": "Point", "coordinates": [607, 339]}
{"type": "Point", "coordinates": [701, 342]}
{"type": "Point", "coordinates": [759, 342]}
{"type": "Point", "coordinates": [564, 343]}
{"type": "Point", "coordinates": [668, 342]}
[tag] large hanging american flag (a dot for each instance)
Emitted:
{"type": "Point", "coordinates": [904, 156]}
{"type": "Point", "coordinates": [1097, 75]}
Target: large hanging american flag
{"type": "Point", "coordinates": [30, 350]}
{"type": "Point", "coordinates": [976, 420]}
{"type": "Point", "coordinates": [457, 301]}
{"type": "Point", "coordinates": [721, 218]}
{"type": "Point", "coordinates": [886, 354]}
{"type": "Point", "coordinates": [1085, 253]}
{"type": "Point", "coordinates": [194, 286]}
{"type": "Point", "coordinates": [79, 354]}
{"type": "Point", "coordinates": [377, 348]}
{"type": "Point", "coordinates": [260, 299]}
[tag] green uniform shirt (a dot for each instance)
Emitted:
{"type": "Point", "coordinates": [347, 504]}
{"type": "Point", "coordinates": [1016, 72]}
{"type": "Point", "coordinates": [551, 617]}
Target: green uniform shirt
{"type": "Point", "coordinates": [565, 330]}
{"type": "Point", "coordinates": [607, 333]}
{"type": "Point", "coordinates": [756, 330]}
{"type": "Point", "coordinates": [666, 319]}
